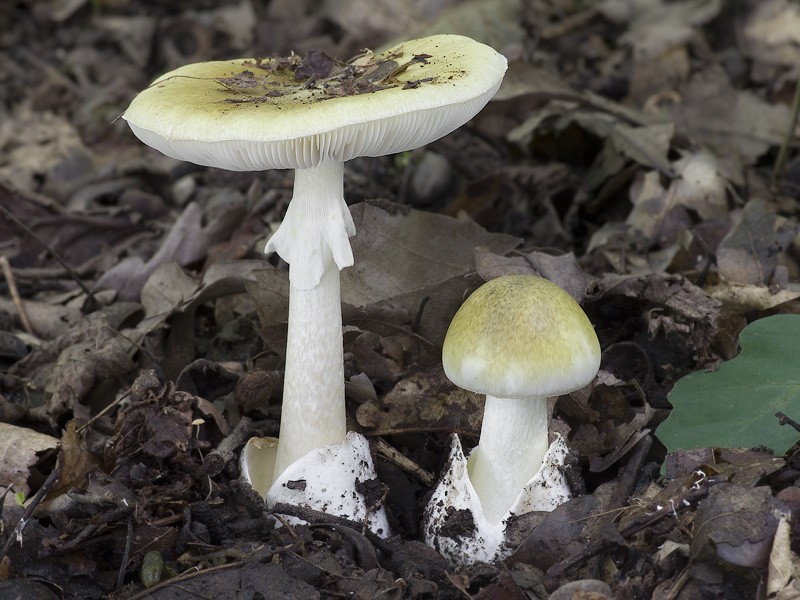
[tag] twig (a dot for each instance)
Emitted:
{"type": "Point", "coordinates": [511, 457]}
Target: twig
{"type": "Point", "coordinates": [784, 420]}
{"type": "Point", "coordinates": [395, 457]}
{"type": "Point", "coordinates": [216, 460]}
{"type": "Point", "coordinates": [91, 421]}
{"type": "Point", "coordinates": [125, 556]}
{"type": "Point", "coordinates": [780, 160]}
{"type": "Point", "coordinates": [89, 295]}
{"type": "Point", "coordinates": [12, 288]}
{"type": "Point", "coordinates": [17, 533]}
{"type": "Point", "coordinates": [625, 486]}
{"type": "Point", "coordinates": [317, 517]}
{"type": "Point", "coordinates": [141, 348]}
{"type": "Point", "coordinates": [568, 24]}
{"type": "Point", "coordinates": [192, 573]}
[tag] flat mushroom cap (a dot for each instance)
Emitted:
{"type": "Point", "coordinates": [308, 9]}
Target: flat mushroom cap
{"type": "Point", "coordinates": [521, 336]}
{"type": "Point", "coordinates": [247, 115]}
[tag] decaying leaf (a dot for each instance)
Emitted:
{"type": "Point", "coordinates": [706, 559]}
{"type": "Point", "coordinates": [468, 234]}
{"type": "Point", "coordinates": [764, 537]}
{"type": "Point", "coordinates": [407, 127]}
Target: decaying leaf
{"type": "Point", "coordinates": [187, 242]}
{"type": "Point", "coordinates": [561, 269]}
{"type": "Point", "coordinates": [737, 125]}
{"type": "Point", "coordinates": [739, 523]}
{"type": "Point", "coordinates": [660, 214]}
{"type": "Point", "coordinates": [425, 401]}
{"type": "Point", "coordinates": [21, 449]}
{"type": "Point", "coordinates": [771, 29]}
{"type": "Point", "coordinates": [405, 256]}
{"type": "Point", "coordinates": [75, 462]}
{"type": "Point", "coordinates": [66, 369]}
{"type": "Point", "coordinates": [711, 332]}
{"type": "Point", "coordinates": [749, 253]}
{"type": "Point", "coordinates": [743, 298]}
{"type": "Point", "coordinates": [743, 466]}
{"type": "Point", "coordinates": [783, 562]}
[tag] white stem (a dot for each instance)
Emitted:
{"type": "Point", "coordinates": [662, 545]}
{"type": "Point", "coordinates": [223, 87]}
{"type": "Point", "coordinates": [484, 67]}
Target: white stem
{"type": "Point", "coordinates": [512, 445]}
{"type": "Point", "coordinates": [317, 225]}
{"type": "Point", "coordinates": [313, 239]}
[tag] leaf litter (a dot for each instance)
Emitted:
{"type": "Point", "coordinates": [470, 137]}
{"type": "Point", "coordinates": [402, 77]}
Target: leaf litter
{"type": "Point", "coordinates": [629, 156]}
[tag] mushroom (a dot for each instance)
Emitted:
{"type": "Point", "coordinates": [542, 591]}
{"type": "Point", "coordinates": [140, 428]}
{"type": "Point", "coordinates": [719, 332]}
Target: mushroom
{"type": "Point", "coordinates": [312, 115]}
{"type": "Point", "coordinates": [519, 339]}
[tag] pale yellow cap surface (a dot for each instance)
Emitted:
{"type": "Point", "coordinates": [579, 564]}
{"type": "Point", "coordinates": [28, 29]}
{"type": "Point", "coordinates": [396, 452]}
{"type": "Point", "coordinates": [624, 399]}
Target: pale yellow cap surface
{"type": "Point", "coordinates": [246, 115]}
{"type": "Point", "coordinates": [521, 336]}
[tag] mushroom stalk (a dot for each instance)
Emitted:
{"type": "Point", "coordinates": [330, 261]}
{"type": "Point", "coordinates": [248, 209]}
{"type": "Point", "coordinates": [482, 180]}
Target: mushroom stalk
{"type": "Point", "coordinates": [313, 239]}
{"type": "Point", "coordinates": [512, 445]}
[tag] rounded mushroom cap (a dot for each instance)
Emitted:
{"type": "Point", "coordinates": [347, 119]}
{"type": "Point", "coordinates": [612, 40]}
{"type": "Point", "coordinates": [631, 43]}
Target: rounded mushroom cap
{"type": "Point", "coordinates": [521, 336]}
{"type": "Point", "coordinates": [254, 114]}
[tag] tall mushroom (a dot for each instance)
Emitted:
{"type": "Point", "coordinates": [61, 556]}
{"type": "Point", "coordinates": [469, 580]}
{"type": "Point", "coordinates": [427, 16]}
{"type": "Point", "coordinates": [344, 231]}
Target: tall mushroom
{"type": "Point", "coordinates": [519, 339]}
{"type": "Point", "coordinates": [312, 115]}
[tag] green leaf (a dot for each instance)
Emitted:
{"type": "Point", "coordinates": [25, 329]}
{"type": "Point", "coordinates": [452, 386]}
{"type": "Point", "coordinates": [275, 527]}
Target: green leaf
{"type": "Point", "coordinates": [735, 406]}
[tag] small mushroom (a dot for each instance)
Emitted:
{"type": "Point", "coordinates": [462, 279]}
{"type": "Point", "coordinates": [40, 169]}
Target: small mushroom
{"type": "Point", "coordinates": [519, 339]}
{"type": "Point", "coordinates": [281, 113]}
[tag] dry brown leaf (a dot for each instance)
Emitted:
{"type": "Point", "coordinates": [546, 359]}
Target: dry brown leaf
{"type": "Point", "coordinates": [772, 31]}
{"type": "Point", "coordinates": [750, 251]}
{"type": "Point", "coordinates": [738, 522]}
{"type": "Point", "coordinates": [187, 242]}
{"type": "Point", "coordinates": [744, 298]}
{"type": "Point", "coordinates": [417, 261]}
{"type": "Point", "coordinates": [20, 449]}
{"type": "Point", "coordinates": [738, 126]}
{"type": "Point", "coordinates": [493, 22]}
{"type": "Point", "coordinates": [559, 267]}
{"type": "Point", "coordinates": [783, 562]}
{"type": "Point", "coordinates": [425, 401]}
{"type": "Point", "coordinates": [75, 462]}
{"type": "Point", "coordinates": [713, 331]}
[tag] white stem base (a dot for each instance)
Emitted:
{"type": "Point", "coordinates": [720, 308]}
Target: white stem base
{"type": "Point", "coordinates": [512, 445]}
{"type": "Point", "coordinates": [324, 480]}
{"type": "Point", "coordinates": [313, 410]}
{"type": "Point", "coordinates": [313, 239]}
{"type": "Point", "coordinates": [454, 496]}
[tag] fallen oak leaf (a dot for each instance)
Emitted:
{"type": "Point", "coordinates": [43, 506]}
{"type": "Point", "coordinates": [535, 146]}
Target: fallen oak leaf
{"type": "Point", "coordinates": [74, 463]}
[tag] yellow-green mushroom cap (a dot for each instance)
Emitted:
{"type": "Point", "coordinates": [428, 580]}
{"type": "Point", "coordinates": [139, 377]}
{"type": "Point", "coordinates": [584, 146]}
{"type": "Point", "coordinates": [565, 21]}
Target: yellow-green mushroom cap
{"type": "Point", "coordinates": [521, 336]}
{"type": "Point", "coordinates": [250, 114]}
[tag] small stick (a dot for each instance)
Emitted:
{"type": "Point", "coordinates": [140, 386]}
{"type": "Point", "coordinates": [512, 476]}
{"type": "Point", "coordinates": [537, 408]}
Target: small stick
{"type": "Point", "coordinates": [12, 288]}
{"type": "Point", "coordinates": [216, 460]}
{"type": "Point", "coordinates": [780, 160]}
{"type": "Point", "coordinates": [784, 420]}
{"type": "Point", "coordinates": [316, 517]}
{"type": "Point", "coordinates": [9, 215]}
{"type": "Point", "coordinates": [125, 557]}
{"type": "Point", "coordinates": [601, 545]}
{"type": "Point", "coordinates": [17, 533]}
{"type": "Point", "coordinates": [395, 457]}
{"type": "Point", "coordinates": [91, 421]}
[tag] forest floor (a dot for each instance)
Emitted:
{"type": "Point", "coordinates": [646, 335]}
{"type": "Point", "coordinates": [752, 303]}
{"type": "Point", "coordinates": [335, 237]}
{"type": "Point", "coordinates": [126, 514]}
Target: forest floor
{"type": "Point", "coordinates": [639, 153]}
